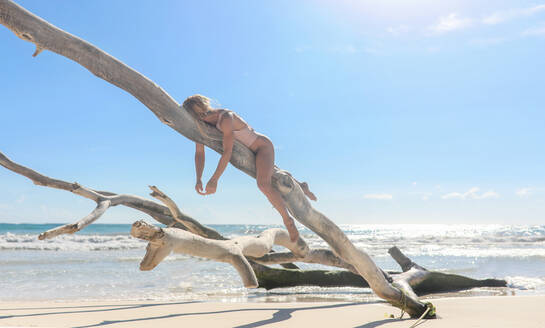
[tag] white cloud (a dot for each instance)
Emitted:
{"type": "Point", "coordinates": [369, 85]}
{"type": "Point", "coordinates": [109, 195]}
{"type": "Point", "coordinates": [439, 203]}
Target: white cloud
{"type": "Point", "coordinates": [471, 194]}
{"type": "Point", "coordinates": [507, 15]}
{"type": "Point", "coordinates": [378, 196]}
{"type": "Point", "coordinates": [489, 194]}
{"type": "Point", "coordinates": [535, 31]}
{"type": "Point", "coordinates": [454, 21]}
{"type": "Point", "coordinates": [450, 23]}
{"type": "Point", "coordinates": [523, 192]}
{"type": "Point", "coordinates": [454, 195]}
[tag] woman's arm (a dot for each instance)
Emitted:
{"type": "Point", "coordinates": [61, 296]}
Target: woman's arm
{"type": "Point", "coordinates": [199, 166]}
{"type": "Point", "coordinates": [226, 126]}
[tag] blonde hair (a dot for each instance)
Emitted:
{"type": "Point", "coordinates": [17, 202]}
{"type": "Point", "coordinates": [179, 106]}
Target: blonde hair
{"type": "Point", "coordinates": [197, 100]}
{"type": "Point", "coordinates": [203, 103]}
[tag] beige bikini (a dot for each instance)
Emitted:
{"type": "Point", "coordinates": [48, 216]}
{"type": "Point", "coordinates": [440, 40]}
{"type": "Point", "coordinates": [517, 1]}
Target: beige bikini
{"type": "Point", "coordinates": [246, 135]}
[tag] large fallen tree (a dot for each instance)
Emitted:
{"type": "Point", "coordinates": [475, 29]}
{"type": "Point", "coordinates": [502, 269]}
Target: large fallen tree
{"type": "Point", "coordinates": [396, 289]}
{"type": "Point", "coordinates": [249, 255]}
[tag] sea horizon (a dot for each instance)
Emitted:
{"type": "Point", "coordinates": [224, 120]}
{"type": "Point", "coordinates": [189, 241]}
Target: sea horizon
{"type": "Point", "coordinates": [95, 263]}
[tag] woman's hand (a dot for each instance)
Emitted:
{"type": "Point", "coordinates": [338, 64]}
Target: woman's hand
{"type": "Point", "coordinates": [211, 187]}
{"type": "Point", "coordinates": [198, 187]}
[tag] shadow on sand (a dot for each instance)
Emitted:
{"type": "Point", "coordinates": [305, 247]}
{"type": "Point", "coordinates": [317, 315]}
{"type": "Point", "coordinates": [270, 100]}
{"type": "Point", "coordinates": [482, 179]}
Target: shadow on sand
{"type": "Point", "coordinates": [281, 314]}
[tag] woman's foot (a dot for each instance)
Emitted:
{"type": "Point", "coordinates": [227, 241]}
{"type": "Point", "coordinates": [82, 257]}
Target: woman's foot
{"type": "Point", "coordinates": [292, 229]}
{"type": "Point", "coordinates": [307, 191]}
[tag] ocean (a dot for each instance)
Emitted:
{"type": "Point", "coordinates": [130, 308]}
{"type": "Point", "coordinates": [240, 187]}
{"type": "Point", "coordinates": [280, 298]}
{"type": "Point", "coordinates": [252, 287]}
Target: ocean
{"type": "Point", "coordinates": [101, 263]}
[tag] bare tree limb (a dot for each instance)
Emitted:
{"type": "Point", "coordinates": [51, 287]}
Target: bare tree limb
{"type": "Point", "coordinates": [416, 278]}
{"type": "Point", "coordinates": [42, 180]}
{"type": "Point", "coordinates": [74, 227]}
{"type": "Point", "coordinates": [317, 256]}
{"type": "Point", "coordinates": [157, 211]}
{"type": "Point", "coordinates": [404, 262]}
{"type": "Point", "coordinates": [192, 226]}
{"type": "Point", "coordinates": [45, 36]}
{"type": "Point", "coordinates": [163, 241]}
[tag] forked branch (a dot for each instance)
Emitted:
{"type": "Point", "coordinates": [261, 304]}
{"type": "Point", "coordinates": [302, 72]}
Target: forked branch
{"type": "Point", "coordinates": [105, 200]}
{"type": "Point", "coordinates": [45, 36]}
{"type": "Point", "coordinates": [74, 227]}
{"type": "Point", "coordinates": [163, 241]}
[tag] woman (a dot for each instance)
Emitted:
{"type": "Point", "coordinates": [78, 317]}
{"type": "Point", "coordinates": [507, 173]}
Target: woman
{"type": "Point", "coordinates": [234, 127]}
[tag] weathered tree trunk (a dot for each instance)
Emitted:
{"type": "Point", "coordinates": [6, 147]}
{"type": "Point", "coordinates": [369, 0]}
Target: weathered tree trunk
{"type": "Point", "coordinates": [163, 215]}
{"type": "Point", "coordinates": [234, 251]}
{"type": "Point", "coordinates": [424, 282]}
{"type": "Point", "coordinates": [412, 277]}
{"type": "Point", "coordinates": [416, 277]}
{"type": "Point", "coordinates": [318, 256]}
{"type": "Point", "coordinates": [48, 37]}
{"type": "Point", "coordinates": [270, 278]}
{"type": "Point", "coordinates": [45, 36]}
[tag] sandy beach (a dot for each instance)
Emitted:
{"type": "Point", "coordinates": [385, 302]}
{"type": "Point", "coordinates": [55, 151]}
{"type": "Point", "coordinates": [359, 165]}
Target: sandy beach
{"type": "Point", "coordinates": [500, 311]}
{"type": "Point", "coordinates": [357, 153]}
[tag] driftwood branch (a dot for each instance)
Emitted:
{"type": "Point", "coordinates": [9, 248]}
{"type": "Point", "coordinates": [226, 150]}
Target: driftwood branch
{"type": "Point", "coordinates": [270, 278]}
{"type": "Point", "coordinates": [404, 262]}
{"type": "Point", "coordinates": [317, 256]}
{"type": "Point", "coordinates": [194, 226]}
{"type": "Point", "coordinates": [45, 36]}
{"type": "Point", "coordinates": [190, 224]}
{"type": "Point", "coordinates": [420, 281]}
{"type": "Point", "coordinates": [108, 199]}
{"type": "Point", "coordinates": [414, 278]}
{"type": "Point", "coordinates": [74, 227]}
{"type": "Point", "coordinates": [163, 241]}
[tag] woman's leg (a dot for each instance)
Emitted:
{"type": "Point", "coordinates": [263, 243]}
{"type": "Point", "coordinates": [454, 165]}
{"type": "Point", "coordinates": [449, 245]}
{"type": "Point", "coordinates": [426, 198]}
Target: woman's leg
{"type": "Point", "coordinates": [264, 162]}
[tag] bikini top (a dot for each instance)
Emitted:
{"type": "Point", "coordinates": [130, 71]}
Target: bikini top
{"type": "Point", "coordinates": [246, 135]}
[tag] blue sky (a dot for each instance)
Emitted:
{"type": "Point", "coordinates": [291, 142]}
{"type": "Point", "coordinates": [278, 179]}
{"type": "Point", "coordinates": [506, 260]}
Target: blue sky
{"type": "Point", "coordinates": [393, 111]}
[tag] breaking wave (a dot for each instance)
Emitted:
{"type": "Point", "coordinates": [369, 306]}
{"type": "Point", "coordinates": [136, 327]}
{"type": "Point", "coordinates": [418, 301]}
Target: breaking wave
{"type": "Point", "coordinates": [10, 241]}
